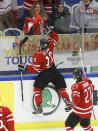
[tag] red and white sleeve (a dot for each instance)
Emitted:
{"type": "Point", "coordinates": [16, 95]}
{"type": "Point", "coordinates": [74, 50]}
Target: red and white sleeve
{"type": "Point", "coordinates": [75, 94]}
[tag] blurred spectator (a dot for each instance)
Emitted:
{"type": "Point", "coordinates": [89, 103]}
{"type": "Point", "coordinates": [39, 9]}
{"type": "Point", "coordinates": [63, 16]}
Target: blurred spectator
{"type": "Point", "coordinates": [27, 6]}
{"type": "Point", "coordinates": [85, 15]}
{"type": "Point", "coordinates": [49, 5]}
{"type": "Point", "coordinates": [60, 19]}
{"type": "Point", "coordinates": [8, 14]}
{"type": "Point", "coordinates": [38, 17]}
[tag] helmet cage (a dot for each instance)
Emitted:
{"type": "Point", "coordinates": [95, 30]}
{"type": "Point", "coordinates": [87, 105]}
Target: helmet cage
{"type": "Point", "coordinates": [77, 74]}
{"type": "Point", "coordinates": [44, 44]}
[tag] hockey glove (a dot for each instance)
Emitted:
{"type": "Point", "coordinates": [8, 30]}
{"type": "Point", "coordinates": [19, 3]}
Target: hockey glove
{"type": "Point", "coordinates": [69, 106]}
{"type": "Point", "coordinates": [21, 67]}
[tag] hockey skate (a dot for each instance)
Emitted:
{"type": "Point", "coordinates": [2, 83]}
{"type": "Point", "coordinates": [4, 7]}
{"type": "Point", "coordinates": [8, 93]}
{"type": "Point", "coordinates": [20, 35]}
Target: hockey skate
{"type": "Point", "coordinates": [38, 111]}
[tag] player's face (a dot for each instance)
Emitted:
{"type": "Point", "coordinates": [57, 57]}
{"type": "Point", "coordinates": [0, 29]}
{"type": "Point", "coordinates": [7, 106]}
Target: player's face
{"type": "Point", "coordinates": [86, 2]}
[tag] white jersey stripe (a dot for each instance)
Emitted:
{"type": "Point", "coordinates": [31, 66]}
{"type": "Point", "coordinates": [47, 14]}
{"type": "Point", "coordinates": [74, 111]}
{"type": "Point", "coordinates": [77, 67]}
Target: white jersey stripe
{"type": "Point", "coordinates": [83, 108]}
{"type": "Point", "coordinates": [82, 112]}
{"type": "Point", "coordinates": [38, 70]}
{"type": "Point", "coordinates": [54, 42]}
{"type": "Point", "coordinates": [37, 94]}
{"type": "Point", "coordinates": [10, 120]}
{"type": "Point", "coordinates": [76, 95]}
{"type": "Point", "coordinates": [27, 4]}
{"type": "Point", "coordinates": [8, 115]}
{"type": "Point", "coordinates": [35, 65]}
{"type": "Point", "coordinates": [76, 92]}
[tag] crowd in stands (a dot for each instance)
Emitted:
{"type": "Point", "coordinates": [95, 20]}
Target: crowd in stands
{"type": "Point", "coordinates": [64, 16]}
{"type": "Point", "coordinates": [8, 14]}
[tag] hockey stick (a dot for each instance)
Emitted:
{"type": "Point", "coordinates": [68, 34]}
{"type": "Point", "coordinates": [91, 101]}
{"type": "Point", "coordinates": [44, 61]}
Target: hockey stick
{"type": "Point", "coordinates": [21, 75]}
{"type": "Point", "coordinates": [44, 31]}
{"type": "Point", "coordinates": [59, 64]}
{"type": "Point", "coordinates": [41, 29]}
{"type": "Point", "coordinates": [85, 77]}
{"type": "Point", "coordinates": [80, 55]}
{"type": "Point", "coordinates": [23, 41]}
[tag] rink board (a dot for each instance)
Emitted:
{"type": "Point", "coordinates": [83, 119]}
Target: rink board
{"type": "Point", "coordinates": [24, 119]}
{"type": "Point", "coordinates": [7, 94]}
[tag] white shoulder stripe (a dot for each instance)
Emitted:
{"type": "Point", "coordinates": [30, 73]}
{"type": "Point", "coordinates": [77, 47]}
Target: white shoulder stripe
{"type": "Point", "coordinates": [38, 70]}
{"type": "Point", "coordinates": [75, 95]}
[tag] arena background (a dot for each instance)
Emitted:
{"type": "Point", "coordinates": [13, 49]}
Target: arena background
{"type": "Point", "coordinates": [10, 88]}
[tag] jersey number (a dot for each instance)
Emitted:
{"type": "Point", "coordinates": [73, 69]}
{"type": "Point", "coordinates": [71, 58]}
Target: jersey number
{"type": "Point", "coordinates": [49, 58]}
{"type": "Point", "coordinates": [88, 94]}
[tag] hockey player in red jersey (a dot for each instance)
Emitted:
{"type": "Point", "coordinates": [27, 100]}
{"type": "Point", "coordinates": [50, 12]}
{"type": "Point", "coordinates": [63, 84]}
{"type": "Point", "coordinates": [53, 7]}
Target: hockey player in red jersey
{"type": "Point", "coordinates": [43, 64]}
{"type": "Point", "coordinates": [6, 119]}
{"type": "Point", "coordinates": [82, 103]}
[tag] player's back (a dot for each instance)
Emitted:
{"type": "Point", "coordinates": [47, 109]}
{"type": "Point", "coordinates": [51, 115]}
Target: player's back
{"type": "Point", "coordinates": [84, 107]}
{"type": "Point", "coordinates": [86, 93]}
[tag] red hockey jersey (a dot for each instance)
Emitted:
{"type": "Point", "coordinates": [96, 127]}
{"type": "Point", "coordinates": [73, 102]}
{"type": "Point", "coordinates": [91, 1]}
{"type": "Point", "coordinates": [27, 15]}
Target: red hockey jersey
{"type": "Point", "coordinates": [34, 23]}
{"type": "Point", "coordinates": [42, 60]}
{"type": "Point", "coordinates": [82, 98]}
{"type": "Point", "coordinates": [6, 119]}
